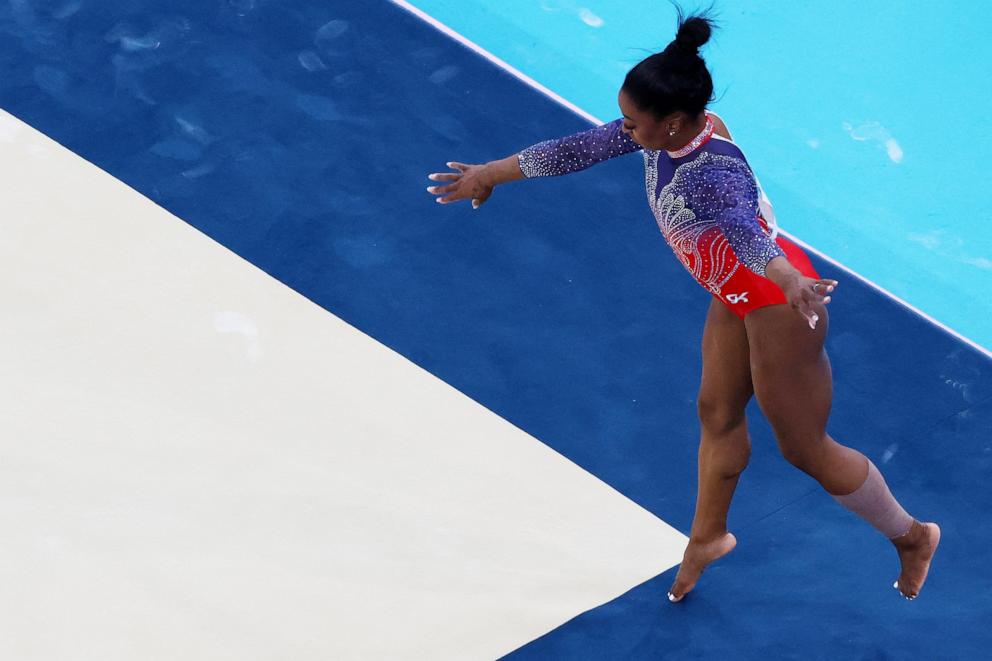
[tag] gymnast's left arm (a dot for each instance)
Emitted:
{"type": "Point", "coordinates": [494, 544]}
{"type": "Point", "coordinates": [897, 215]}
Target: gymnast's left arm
{"type": "Point", "coordinates": [729, 193]}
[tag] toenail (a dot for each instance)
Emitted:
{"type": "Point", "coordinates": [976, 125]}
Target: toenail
{"type": "Point", "coordinates": [896, 585]}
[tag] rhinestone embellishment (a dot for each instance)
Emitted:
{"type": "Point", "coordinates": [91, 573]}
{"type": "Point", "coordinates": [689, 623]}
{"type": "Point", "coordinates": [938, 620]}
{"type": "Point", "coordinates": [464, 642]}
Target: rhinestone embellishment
{"type": "Point", "coordinates": [697, 142]}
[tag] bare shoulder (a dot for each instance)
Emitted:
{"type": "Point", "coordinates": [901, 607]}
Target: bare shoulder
{"type": "Point", "coordinates": [719, 127]}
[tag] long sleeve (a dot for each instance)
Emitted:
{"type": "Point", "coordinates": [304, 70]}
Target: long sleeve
{"type": "Point", "coordinates": [726, 192]}
{"type": "Point", "coordinates": [764, 204]}
{"type": "Point", "coordinates": [576, 152]}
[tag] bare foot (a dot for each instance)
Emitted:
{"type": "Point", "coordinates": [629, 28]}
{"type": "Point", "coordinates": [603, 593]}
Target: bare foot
{"type": "Point", "coordinates": [697, 556]}
{"type": "Point", "coordinates": [916, 549]}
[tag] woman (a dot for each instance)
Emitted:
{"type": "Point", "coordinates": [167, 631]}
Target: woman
{"type": "Point", "coordinates": [767, 321]}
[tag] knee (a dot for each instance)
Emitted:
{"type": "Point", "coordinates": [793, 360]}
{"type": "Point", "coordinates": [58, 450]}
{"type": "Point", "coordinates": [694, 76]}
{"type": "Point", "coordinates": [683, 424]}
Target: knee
{"type": "Point", "coordinates": [718, 417]}
{"type": "Point", "coordinates": [803, 455]}
{"type": "Point", "coordinates": [724, 439]}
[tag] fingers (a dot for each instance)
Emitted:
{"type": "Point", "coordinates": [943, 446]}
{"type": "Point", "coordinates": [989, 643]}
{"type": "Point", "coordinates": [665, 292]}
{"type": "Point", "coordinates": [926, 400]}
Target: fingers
{"type": "Point", "coordinates": [447, 194]}
{"type": "Point", "coordinates": [805, 308]}
{"type": "Point", "coordinates": [442, 190]}
{"type": "Point", "coordinates": [822, 288]}
{"type": "Point", "coordinates": [459, 189]}
{"type": "Point", "coordinates": [804, 298]}
{"type": "Point", "coordinates": [450, 193]}
{"type": "Point", "coordinates": [482, 197]}
{"type": "Point", "coordinates": [456, 193]}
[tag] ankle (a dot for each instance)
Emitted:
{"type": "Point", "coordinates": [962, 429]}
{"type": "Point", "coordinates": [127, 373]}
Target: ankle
{"type": "Point", "coordinates": [916, 535]}
{"type": "Point", "coordinates": [707, 537]}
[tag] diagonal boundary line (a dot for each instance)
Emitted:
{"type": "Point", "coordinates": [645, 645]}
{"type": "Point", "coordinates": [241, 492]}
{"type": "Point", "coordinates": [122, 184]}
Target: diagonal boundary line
{"type": "Point", "coordinates": [516, 73]}
{"type": "Point", "coordinates": [502, 64]}
{"type": "Point", "coordinates": [756, 521]}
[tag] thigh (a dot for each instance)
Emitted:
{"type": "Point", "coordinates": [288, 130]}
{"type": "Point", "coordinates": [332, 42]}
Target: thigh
{"type": "Point", "coordinates": [791, 372]}
{"type": "Point", "coordinates": [725, 387]}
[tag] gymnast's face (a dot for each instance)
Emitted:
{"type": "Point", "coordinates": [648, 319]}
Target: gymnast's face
{"type": "Point", "coordinates": [644, 128]}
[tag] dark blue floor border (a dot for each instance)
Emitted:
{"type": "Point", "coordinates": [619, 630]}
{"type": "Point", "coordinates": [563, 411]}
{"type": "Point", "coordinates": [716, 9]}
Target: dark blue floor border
{"type": "Point", "coordinates": [298, 135]}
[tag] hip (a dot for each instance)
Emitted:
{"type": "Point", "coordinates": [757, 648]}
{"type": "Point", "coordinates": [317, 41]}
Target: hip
{"type": "Point", "coordinates": [745, 291]}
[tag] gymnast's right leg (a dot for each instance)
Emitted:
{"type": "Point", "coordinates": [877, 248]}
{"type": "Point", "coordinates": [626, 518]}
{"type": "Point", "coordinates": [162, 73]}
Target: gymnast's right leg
{"type": "Point", "coordinates": [724, 446]}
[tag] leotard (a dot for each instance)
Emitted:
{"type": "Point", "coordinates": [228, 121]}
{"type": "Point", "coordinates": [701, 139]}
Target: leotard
{"type": "Point", "coordinates": [706, 201]}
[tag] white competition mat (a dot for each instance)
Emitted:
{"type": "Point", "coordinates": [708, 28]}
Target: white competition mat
{"type": "Point", "coordinates": [196, 462]}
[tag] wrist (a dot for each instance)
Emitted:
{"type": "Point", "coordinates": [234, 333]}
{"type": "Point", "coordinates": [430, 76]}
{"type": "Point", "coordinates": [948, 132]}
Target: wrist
{"type": "Point", "coordinates": [781, 272]}
{"type": "Point", "coordinates": [489, 176]}
{"type": "Point", "coordinates": [501, 171]}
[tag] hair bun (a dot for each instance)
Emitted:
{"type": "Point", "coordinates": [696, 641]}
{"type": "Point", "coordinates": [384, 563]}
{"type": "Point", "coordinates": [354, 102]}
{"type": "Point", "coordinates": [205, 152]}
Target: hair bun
{"type": "Point", "coordinates": [694, 31]}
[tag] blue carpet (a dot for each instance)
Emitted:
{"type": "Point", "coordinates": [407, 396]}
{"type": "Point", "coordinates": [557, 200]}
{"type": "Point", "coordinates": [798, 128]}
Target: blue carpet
{"type": "Point", "coordinates": [298, 134]}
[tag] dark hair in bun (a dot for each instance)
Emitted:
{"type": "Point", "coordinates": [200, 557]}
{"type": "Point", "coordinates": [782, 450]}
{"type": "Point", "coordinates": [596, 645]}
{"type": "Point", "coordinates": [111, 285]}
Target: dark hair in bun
{"type": "Point", "coordinates": [676, 78]}
{"type": "Point", "coordinates": [693, 33]}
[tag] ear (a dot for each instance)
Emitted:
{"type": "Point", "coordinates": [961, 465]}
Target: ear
{"type": "Point", "coordinates": [673, 123]}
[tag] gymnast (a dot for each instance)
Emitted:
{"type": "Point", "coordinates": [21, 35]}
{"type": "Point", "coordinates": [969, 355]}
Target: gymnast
{"type": "Point", "coordinates": [767, 320]}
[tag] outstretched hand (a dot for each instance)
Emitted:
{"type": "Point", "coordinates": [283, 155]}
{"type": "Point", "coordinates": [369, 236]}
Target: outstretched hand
{"type": "Point", "coordinates": [469, 182]}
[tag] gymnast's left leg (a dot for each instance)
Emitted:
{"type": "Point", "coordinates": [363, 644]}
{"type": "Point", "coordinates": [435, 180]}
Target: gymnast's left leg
{"type": "Point", "coordinates": [793, 386]}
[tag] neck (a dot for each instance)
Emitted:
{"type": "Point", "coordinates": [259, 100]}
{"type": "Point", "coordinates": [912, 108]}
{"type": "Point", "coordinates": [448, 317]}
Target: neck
{"type": "Point", "coordinates": [694, 136]}
{"type": "Point", "coordinates": [689, 131]}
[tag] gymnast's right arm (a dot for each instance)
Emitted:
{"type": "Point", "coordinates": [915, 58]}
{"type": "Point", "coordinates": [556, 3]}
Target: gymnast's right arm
{"type": "Point", "coordinates": [545, 159]}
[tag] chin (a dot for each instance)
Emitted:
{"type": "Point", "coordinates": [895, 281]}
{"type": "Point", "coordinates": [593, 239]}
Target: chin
{"type": "Point", "coordinates": [648, 144]}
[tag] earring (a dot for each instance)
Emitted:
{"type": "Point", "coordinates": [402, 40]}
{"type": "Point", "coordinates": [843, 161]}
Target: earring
{"type": "Point", "coordinates": [671, 131]}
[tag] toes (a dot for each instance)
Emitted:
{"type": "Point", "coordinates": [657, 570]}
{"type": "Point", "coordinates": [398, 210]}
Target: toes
{"type": "Point", "coordinates": [678, 591]}
{"type": "Point", "coordinates": [909, 596]}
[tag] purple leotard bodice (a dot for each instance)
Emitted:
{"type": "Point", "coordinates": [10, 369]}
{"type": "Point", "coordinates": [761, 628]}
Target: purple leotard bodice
{"type": "Point", "coordinates": [710, 187]}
